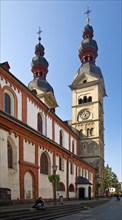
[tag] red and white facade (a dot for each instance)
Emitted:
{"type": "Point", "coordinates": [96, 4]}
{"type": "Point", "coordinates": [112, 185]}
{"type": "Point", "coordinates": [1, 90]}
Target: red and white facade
{"type": "Point", "coordinates": [29, 150]}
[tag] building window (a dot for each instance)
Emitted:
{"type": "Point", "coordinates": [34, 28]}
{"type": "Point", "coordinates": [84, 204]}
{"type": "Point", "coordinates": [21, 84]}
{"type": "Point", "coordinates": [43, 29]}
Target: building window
{"type": "Point", "coordinates": [73, 147]}
{"type": "Point", "coordinates": [71, 168]}
{"type": "Point", "coordinates": [84, 99]}
{"type": "Point", "coordinates": [39, 123]}
{"type": "Point", "coordinates": [84, 81]}
{"type": "Point", "coordinates": [91, 58]}
{"type": "Point", "coordinates": [44, 164]}
{"type": "Point", "coordinates": [89, 99]}
{"type": "Point", "coordinates": [7, 101]}
{"type": "Point", "coordinates": [91, 131]}
{"type": "Point", "coordinates": [61, 187]}
{"type": "Point", "coordinates": [10, 156]}
{"type": "Point", "coordinates": [61, 138]}
{"type": "Point", "coordinates": [80, 101]}
{"type": "Point", "coordinates": [71, 188]}
{"type": "Point", "coordinates": [61, 163]}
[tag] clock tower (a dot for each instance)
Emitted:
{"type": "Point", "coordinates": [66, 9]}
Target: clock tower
{"type": "Point", "coordinates": [88, 91]}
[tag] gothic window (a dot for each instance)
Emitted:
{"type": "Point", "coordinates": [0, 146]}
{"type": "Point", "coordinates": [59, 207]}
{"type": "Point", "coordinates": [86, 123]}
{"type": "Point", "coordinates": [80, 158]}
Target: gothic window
{"type": "Point", "coordinates": [80, 101]}
{"type": "Point", "coordinates": [44, 164]}
{"type": "Point", "coordinates": [61, 138]}
{"type": "Point", "coordinates": [71, 188]}
{"type": "Point", "coordinates": [73, 147]}
{"type": "Point", "coordinates": [7, 101]}
{"type": "Point", "coordinates": [10, 156]}
{"type": "Point", "coordinates": [39, 123]}
{"type": "Point", "coordinates": [61, 187]}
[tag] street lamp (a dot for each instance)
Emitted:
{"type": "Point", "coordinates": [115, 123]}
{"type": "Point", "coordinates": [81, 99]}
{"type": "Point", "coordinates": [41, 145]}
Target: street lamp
{"type": "Point", "coordinates": [54, 167]}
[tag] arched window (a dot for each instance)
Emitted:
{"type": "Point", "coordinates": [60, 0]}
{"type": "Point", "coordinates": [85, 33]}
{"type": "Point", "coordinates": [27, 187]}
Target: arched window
{"type": "Point", "coordinates": [44, 164]}
{"type": "Point", "coordinates": [7, 101]}
{"type": "Point", "coordinates": [71, 188]}
{"type": "Point", "coordinates": [84, 99]}
{"type": "Point", "coordinates": [10, 156]}
{"type": "Point", "coordinates": [73, 147]}
{"type": "Point", "coordinates": [61, 163]}
{"type": "Point", "coordinates": [39, 123]}
{"type": "Point", "coordinates": [86, 59]}
{"type": "Point", "coordinates": [80, 101]}
{"type": "Point", "coordinates": [88, 132]}
{"type": "Point", "coordinates": [71, 168]}
{"type": "Point", "coordinates": [91, 131]}
{"type": "Point", "coordinates": [91, 58]}
{"type": "Point", "coordinates": [61, 187]}
{"type": "Point", "coordinates": [61, 138]}
{"type": "Point", "coordinates": [89, 99]}
{"type": "Point", "coordinates": [81, 132]}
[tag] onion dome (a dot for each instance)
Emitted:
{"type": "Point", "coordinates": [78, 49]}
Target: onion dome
{"type": "Point", "coordinates": [39, 83]}
{"type": "Point", "coordinates": [88, 47]}
{"type": "Point", "coordinates": [39, 63]}
{"type": "Point", "coordinates": [88, 31]}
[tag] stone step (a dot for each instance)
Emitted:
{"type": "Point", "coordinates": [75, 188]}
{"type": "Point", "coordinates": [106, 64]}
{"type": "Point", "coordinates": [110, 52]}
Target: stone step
{"type": "Point", "coordinates": [49, 213]}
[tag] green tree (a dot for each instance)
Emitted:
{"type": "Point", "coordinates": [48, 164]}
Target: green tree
{"type": "Point", "coordinates": [55, 178]}
{"type": "Point", "coordinates": [110, 178]}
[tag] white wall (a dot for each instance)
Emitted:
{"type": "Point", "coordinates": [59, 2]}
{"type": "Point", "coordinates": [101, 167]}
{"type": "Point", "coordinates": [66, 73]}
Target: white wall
{"type": "Point", "coordinates": [29, 152]}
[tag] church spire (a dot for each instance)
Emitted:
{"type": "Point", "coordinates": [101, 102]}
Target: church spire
{"type": "Point", "coordinates": [88, 47]}
{"type": "Point", "coordinates": [39, 63]}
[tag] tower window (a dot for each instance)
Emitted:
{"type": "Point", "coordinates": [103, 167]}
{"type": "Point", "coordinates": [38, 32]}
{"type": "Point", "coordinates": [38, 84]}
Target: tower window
{"type": "Point", "coordinates": [89, 99]}
{"type": "Point", "coordinates": [84, 81]}
{"type": "Point", "coordinates": [80, 101]}
{"type": "Point", "coordinates": [84, 99]}
{"type": "Point", "coordinates": [86, 59]}
{"type": "Point", "coordinates": [91, 58]}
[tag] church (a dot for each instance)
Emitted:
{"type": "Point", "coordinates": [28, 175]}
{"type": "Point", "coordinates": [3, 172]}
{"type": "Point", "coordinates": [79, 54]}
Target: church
{"type": "Point", "coordinates": [35, 143]}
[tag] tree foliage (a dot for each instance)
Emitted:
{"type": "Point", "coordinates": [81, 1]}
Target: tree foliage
{"type": "Point", "coordinates": [110, 178]}
{"type": "Point", "coordinates": [55, 178]}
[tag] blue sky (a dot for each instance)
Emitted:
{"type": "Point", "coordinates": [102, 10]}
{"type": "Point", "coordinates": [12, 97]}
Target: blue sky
{"type": "Point", "coordinates": [62, 23]}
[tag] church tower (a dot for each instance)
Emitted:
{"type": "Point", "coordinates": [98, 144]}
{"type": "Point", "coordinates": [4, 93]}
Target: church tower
{"type": "Point", "coordinates": [39, 85]}
{"type": "Point", "coordinates": [88, 91]}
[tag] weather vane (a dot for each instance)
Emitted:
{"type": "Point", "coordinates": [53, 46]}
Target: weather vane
{"type": "Point", "coordinates": [39, 33]}
{"type": "Point", "coordinates": [87, 13]}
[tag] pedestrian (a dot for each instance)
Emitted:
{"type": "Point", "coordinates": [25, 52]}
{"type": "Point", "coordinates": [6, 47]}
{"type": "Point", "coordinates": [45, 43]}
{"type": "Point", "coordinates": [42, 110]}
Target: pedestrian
{"type": "Point", "coordinates": [39, 204]}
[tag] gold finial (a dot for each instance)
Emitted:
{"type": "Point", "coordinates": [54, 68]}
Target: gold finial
{"type": "Point", "coordinates": [87, 13]}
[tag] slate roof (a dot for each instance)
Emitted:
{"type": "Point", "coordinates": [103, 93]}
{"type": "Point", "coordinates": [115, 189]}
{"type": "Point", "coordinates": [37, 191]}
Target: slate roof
{"type": "Point", "coordinates": [40, 83]}
{"type": "Point", "coordinates": [83, 180]}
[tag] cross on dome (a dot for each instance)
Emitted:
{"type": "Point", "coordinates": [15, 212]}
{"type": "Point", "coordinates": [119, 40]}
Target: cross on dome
{"type": "Point", "coordinates": [39, 33]}
{"type": "Point", "coordinates": [87, 13]}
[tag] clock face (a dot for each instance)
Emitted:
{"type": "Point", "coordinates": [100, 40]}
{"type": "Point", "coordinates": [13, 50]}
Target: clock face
{"type": "Point", "coordinates": [84, 114]}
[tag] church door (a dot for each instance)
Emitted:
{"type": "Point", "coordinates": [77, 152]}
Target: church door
{"type": "Point", "coordinates": [81, 193]}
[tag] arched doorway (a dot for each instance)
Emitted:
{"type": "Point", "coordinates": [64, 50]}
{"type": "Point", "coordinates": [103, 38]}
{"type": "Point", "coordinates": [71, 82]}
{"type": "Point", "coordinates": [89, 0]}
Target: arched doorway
{"type": "Point", "coordinates": [29, 183]}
